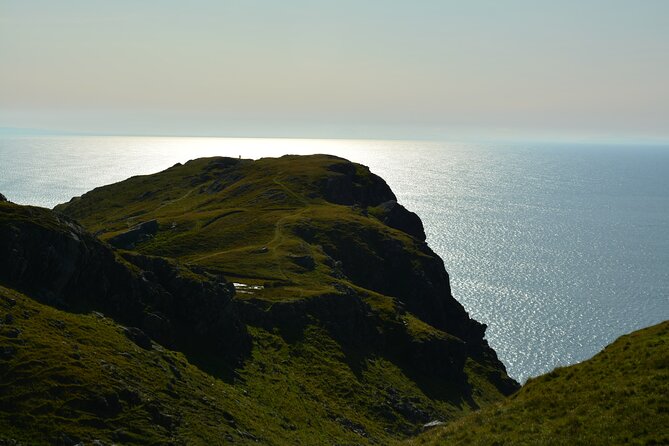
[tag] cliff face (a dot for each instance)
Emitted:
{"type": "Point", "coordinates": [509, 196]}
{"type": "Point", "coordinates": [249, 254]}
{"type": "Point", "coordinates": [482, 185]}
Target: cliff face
{"type": "Point", "coordinates": [298, 276]}
{"type": "Point", "coordinates": [57, 262]}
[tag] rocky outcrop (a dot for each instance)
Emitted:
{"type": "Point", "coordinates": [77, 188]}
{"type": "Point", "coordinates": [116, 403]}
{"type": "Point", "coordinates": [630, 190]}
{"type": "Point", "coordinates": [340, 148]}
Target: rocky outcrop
{"type": "Point", "coordinates": [2, 198]}
{"type": "Point", "coordinates": [397, 216]}
{"type": "Point", "coordinates": [355, 325]}
{"type": "Point", "coordinates": [57, 262]}
{"type": "Point", "coordinates": [200, 307]}
{"type": "Point", "coordinates": [350, 312]}
{"type": "Point", "coordinates": [140, 233]}
{"type": "Point", "coordinates": [414, 274]}
{"type": "Point", "coordinates": [333, 225]}
{"type": "Point", "coordinates": [354, 184]}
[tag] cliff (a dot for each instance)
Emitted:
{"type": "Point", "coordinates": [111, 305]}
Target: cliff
{"type": "Point", "coordinates": [57, 262]}
{"type": "Point", "coordinates": [279, 301]}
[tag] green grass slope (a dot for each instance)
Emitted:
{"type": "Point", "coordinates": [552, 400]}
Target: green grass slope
{"type": "Point", "coordinates": [618, 397]}
{"type": "Point", "coordinates": [235, 216]}
{"type": "Point", "coordinates": [353, 336]}
{"type": "Point", "coordinates": [68, 378]}
{"type": "Point", "coordinates": [289, 228]}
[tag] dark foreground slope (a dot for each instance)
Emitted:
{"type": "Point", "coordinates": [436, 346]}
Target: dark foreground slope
{"type": "Point", "coordinates": [618, 397]}
{"type": "Point", "coordinates": [67, 378]}
{"type": "Point", "coordinates": [279, 301]}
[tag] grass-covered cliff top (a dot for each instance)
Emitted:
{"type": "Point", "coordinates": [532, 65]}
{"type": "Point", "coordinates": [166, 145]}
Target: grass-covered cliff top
{"type": "Point", "coordinates": [241, 217]}
{"type": "Point", "coordinates": [289, 301]}
{"type": "Point", "coordinates": [285, 229]}
{"type": "Point", "coordinates": [617, 397]}
{"type": "Point", "coordinates": [280, 301]}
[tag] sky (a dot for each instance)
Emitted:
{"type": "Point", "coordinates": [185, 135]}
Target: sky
{"type": "Point", "coordinates": [341, 68]}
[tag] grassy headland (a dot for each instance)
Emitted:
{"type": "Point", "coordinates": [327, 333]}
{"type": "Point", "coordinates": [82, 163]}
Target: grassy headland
{"type": "Point", "coordinates": [342, 328]}
{"type": "Point", "coordinates": [280, 301]}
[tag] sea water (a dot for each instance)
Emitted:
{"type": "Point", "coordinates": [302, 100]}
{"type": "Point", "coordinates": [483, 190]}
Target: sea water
{"type": "Point", "coordinates": [558, 248]}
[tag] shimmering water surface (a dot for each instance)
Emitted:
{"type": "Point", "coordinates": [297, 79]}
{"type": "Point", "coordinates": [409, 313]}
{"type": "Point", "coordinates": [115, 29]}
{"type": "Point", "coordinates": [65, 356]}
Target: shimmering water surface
{"type": "Point", "coordinates": [559, 248]}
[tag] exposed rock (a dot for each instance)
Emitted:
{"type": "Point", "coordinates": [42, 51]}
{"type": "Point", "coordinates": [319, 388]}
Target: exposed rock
{"type": "Point", "coordinates": [352, 323]}
{"type": "Point", "coordinates": [435, 356]}
{"type": "Point", "coordinates": [348, 186]}
{"type": "Point", "coordinates": [138, 234]}
{"type": "Point", "coordinates": [222, 163]}
{"type": "Point", "coordinates": [199, 309]}
{"type": "Point", "coordinates": [347, 318]}
{"type": "Point", "coordinates": [406, 406]}
{"type": "Point", "coordinates": [350, 278]}
{"type": "Point", "coordinates": [219, 170]}
{"type": "Point", "coordinates": [59, 263]}
{"type": "Point", "coordinates": [175, 371]}
{"type": "Point", "coordinates": [58, 324]}
{"type": "Point", "coordinates": [387, 266]}
{"type": "Point", "coordinates": [138, 337]}
{"type": "Point", "coordinates": [352, 426]}
{"type": "Point", "coordinates": [397, 216]}
{"type": "Point", "coordinates": [160, 417]}
{"type": "Point", "coordinates": [248, 435]}
{"type": "Point", "coordinates": [305, 261]}
{"type": "Point", "coordinates": [227, 416]}
{"type": "Point", "coordinates": [3, 198]}
{"type": "Point", "coordinates": [159, 327]}
{"type": "Point", "coordinates": [432, 424]}
{"type": "Point", "coordinates": [8, 301]}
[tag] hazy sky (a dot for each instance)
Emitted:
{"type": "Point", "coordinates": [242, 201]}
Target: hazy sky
{"type": "Point", "coordinates": [342, 68]}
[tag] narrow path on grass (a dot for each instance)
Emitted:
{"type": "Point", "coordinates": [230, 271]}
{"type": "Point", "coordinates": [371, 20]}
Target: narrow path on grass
{"type": "Point", "coordinates": [272, 244]}
{"type": "Point", "coordinates": [167, 203]}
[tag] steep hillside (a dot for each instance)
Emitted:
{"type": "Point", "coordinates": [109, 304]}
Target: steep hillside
{"type": "Point", "coordinates": [57, 262]}
{"type": "Point", "coordinates": [617, 397]}
{"type": "Point", "coordinates": [293, 296]}
{"type": "Point", "coordinates": [66, 378]}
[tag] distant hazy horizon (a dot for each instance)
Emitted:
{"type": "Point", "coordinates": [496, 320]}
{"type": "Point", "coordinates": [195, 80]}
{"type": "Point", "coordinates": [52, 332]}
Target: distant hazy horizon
{"type": "Point", "coordinates": [435, 69]}
{"type": "Point", "coordinates": [455, 137]}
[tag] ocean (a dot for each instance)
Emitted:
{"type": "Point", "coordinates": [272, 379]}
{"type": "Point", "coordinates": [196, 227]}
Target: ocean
{"type": "Point", "coordinates": [559, 248]}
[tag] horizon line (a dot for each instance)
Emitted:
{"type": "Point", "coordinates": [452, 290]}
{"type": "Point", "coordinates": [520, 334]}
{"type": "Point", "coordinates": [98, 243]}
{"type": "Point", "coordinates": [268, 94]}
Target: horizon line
{"type": "Point", "coordinates": [456, 137]}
